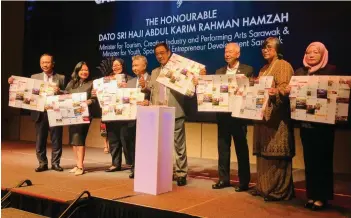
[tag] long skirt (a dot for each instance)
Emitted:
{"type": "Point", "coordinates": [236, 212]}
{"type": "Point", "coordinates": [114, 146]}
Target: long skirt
{"type": "Point", "coordinates": [274, 178]}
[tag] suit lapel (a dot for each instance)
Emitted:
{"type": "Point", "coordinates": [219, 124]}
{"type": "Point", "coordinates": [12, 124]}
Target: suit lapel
{"type": "Point", "coordinates": [40, 76]}
{"type": "Point", "coordinates": [223, 70]}
{"type": "Point", "coordinates": [240, 69]}
{"type": "Point", "coordinates": [157, 74]}
{"type": "Point", "coordinates": [56, 79]}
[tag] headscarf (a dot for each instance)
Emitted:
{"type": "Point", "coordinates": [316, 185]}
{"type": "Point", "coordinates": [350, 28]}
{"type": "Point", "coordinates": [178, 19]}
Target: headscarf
{"type": "Point", "coordinates": [324, 57]}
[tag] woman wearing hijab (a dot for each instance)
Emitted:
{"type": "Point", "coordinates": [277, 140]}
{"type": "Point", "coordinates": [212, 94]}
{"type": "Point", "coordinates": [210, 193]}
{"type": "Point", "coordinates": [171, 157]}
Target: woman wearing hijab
{"type": "Point", "coordinates": [273, 136]}
{"type": "Point", "coordinates": [317, 139]}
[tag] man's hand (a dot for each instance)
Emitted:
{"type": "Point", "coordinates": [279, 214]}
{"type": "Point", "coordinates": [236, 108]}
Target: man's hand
{"type": "Point", "coordinates": [287, 90]}
{"type": "Point", "coordinates": [10, 80]}
{"type": "Point", "coordinates": [203, 71]}
{"type": "Point", "coordinates": [93, 93]}
{"type": "Point", "coordinates": [272, 91]}
{"type": "Point", "coordinates": [195, 81]}
{"type": "Point", "coordinates": [123, 85]}
{"type": "Point", "coordinates": [56, 90]}
{"type": "Point", "coordinates": [143, 103]}
{"type": "Point", "coordinates": [89, 102]}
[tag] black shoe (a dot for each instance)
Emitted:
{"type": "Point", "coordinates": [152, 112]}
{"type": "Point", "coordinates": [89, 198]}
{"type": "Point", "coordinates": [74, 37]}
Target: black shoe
{"type": "Point", "coordinates": [56, 167]}
{"type": "Point", "coordinates": [181, 181]}
{"type": "Point", "coordinates": [220, 185]}
{"type": "Point", "coordinates": [131, 176]}
{"type": "Point", "coordinates": [241, 188]}
{"type": "Point", "coordinates": [309, 205]}
{"type": "Point", "coordinates": [268, 199]}
{"type": "Point", "coordinates": [113, 169]}
{"type": "Point", "coordinates": [316, 207]}
{"type": "Point", "coordinates": [41, 168]}
{"type": "Point", "coordinates": [254, 192]}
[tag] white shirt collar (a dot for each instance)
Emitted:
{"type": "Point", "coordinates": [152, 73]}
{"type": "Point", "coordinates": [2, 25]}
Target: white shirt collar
{"type": "Point", "coordinates": [48, 77]}
{"type": "Point", "coordinates": [234, 69]}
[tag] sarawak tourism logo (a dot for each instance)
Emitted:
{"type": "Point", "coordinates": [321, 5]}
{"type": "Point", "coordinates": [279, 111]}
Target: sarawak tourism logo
{"type": "Point", "coordinates": [179, 3]}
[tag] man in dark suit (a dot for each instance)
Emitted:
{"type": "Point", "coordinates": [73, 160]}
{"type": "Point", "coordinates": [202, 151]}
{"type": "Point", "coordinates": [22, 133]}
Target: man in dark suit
{"type": "Point", "coordinates": [139, 66]}
{"type": "Point", "coordinates": [229, 126]}
{"type": "Point", "coordinates": [41, 118]}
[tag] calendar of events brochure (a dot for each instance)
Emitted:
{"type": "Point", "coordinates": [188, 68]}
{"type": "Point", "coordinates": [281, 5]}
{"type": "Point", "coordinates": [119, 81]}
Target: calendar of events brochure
{"type": "Point", "coordinates": [68, 109]}
{"type": "Point", "coordinates": [321, 99]}
{"type": "Point", "coordinates": [178, 74]}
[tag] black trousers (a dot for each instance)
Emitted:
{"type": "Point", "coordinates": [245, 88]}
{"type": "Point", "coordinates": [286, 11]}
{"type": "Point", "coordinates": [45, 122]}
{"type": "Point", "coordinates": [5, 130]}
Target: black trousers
{"type": "Point", "coordinates": [318, 150]}
{"type": "Point", "coordinates": [229, 127]}
{"type": "Point", "coordinates": [119, 137]}
{"type": "Point", "coordinates": [132, 136]}
{"type": "Point", "coordinates": [42, 128]}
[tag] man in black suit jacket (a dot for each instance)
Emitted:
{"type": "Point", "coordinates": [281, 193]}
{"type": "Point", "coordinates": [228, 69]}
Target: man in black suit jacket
{"type": "Point", "coordinates": [139, 66]}
{"type": "Point", "coordinates": [41, 119]}
{"type": "Point", "coordinates": [229, 126]}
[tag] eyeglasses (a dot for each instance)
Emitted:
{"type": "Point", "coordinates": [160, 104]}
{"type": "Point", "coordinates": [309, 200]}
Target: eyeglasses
{"type": "Point", "coordinates": [268, 48]}
{"type": "Point", "coordinates": [161, 53]}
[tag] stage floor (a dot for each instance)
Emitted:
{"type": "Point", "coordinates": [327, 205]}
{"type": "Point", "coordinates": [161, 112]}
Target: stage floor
{"type": "Point", "coordinates": [18, 161]}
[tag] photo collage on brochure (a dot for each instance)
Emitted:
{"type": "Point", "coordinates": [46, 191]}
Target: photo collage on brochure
{"type": "Point", "coordinates": [235, 94]}
{"type": "Point", "coordinates": [253, 99]}
{"type": "Point", "coordinates": [30, 94]}
{"type": "Point", "coordinates": [122, 105]}
{"type": "Point", "coordinates": [107, 86]}
{"type": "Point", "coordinates": [213, 93]}
{"type": "Point", "coordinates": [322, 99]}
{"type": "Point", "coordinates": [178, 73]}
{"type": "Point", "coordinates": [68, 109]}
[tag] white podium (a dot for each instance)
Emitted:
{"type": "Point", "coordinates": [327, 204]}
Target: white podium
{"type": "Point", "coordinates": [154, 149]}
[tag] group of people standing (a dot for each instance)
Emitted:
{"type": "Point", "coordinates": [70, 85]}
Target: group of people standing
{"type": "Point", "coordinates": [273, 141]}
{"type": "Point", "coordinates": [273, 144]}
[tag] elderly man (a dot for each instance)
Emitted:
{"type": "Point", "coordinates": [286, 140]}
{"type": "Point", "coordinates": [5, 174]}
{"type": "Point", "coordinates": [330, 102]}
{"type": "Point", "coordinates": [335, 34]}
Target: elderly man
{"type": "Point", "coordinates": [41, 118]}
{"type": "Point", "coordinates": [232, 127]}
{"type": "Point", "coordinates": [139, 65]}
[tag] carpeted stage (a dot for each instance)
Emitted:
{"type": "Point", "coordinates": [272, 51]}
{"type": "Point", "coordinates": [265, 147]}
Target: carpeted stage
{"type": "Point", "coordinates": [113, 194]}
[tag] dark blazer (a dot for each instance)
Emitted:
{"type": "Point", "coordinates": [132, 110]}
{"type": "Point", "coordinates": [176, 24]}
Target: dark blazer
{"type": "Point", "coordinates": [242, 69]}
{"type": "Point", "coordinates": [327, 70]}
{"type": "Point", "coordinates": [58, 79]}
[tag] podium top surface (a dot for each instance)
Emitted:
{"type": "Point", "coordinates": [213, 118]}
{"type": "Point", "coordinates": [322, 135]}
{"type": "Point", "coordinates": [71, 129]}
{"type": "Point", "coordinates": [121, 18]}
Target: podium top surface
{"type": "Point", "coordinates": [155, 107]}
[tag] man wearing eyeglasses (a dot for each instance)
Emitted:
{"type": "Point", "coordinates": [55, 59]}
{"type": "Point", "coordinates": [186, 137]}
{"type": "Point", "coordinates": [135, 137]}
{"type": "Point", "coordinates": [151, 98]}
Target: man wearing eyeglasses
{"type": "Point", "coordinates": [161, 95]}
{"type": "Point", "coordinates": [41, 118]}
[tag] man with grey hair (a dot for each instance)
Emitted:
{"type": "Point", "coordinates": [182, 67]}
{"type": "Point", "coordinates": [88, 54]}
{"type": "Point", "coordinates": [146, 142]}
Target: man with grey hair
{"type": "Point", "coordinates": [229, 126]}
{"type": "Point", "coordinates": [139, 65]}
